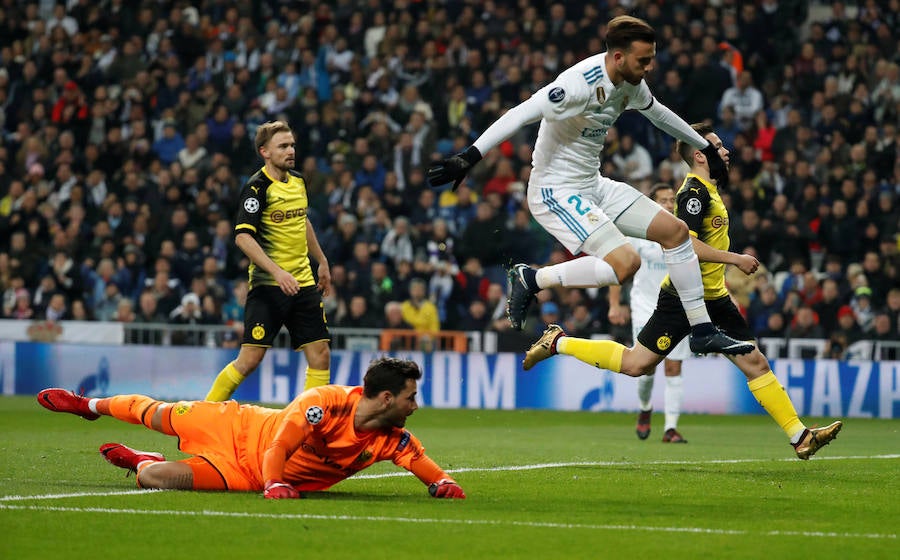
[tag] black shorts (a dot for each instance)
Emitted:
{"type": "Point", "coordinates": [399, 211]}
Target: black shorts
{"type": "Point", "coordinates": [268, 308]}
{"type": "Point", "coordinates": [669, 324]}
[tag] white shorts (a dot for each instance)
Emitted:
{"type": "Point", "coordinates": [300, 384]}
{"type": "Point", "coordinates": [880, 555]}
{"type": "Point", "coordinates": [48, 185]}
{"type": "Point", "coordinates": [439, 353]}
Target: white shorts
{"type": "Point", "coordinates": [572, 215]}
{"type": "Point", "coordinates": [681, 352]}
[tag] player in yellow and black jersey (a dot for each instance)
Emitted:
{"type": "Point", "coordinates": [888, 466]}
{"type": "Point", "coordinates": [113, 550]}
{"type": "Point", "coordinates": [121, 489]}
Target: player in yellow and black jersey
{"type": "Point", "coordinates": [273, 230]}
{"type": "Point", "coordinates": [697, 203]}
{"type": "Point", "coordinates": [700, 206]}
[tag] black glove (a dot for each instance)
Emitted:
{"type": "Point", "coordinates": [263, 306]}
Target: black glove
{"type": "Point", "coordinates": [453, 168]}
{"type": "Point", "coordinates": [718, 171]}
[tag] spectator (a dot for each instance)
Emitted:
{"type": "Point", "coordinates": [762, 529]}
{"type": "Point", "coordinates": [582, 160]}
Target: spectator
{"type": "Point", "coordinates": [744, 98]}
{"type": "Point", "coordinates": [397, 245]}
{"type": "Point", "coordinates": [358, 316]}
{"type": "Point", "coordinates": [861, 304]}
{"type": "Point", "coordinates": [393, 316]}
{"type": "Point", "coordinates": [419, 312]}
{"type": "Point", "coordinates": [633, 161]}
{"type": "Point", "coordinates": [805, 324]}
{"type": "Point", "coordinates": [169, 146]}
{"type": "Point", "coordinates": [187, 313]}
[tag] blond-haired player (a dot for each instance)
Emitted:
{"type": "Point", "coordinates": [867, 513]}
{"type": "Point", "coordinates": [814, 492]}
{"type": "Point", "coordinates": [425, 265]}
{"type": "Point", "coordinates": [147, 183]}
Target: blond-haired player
{"type": "Point", "coordinates": [272, 228]}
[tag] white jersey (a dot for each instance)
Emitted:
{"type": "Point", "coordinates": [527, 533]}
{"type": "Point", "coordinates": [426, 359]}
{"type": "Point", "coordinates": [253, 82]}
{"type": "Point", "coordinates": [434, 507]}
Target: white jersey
{"type": "Point", "coordinates": [578, 109]}
{"type": "Point", "coordinates": [646, 281]}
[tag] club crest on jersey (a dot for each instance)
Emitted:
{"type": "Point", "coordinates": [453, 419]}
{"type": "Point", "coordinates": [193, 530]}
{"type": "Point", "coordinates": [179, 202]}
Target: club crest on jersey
{"type": "Point", "coordinates": [556, 95]}
{"type": "Point", "coordinates": [663, 342]}
{"type": "Point", "coordinates": [693, 206]}
{"type": "Point", "coordinates": [258, 332]}
{"type": "Point", "coordinates": [314, 415]}
{"type": "Point", "coordinates": [601, 95]}
{"type": "Point", "coordinates": [363, 457]}
{"type": "Point", "coordinates": [251, 205]}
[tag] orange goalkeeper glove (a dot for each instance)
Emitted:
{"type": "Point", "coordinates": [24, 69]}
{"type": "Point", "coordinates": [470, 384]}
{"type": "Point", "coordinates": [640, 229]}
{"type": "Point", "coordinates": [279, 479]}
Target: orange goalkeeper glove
{"type": "Point", "coordinates": [446, 488]}
{"type": "Point", "coordinates": [277, 490]}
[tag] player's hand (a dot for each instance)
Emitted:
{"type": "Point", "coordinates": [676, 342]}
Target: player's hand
{"type": "Point", "coordinates": [747, 263]}
{"type": "Point", "coordinates": [324, 284]}
{"type": "Point", "coordinates": [718, 171]}
{"type": "Point", "coordinates": [446, 488]}
{"type": "Point", "coordinates": [454, 168]}
{"type": "Point", "coordinates": [617, 315]}
{"type": "Point", "coordinates": [287, 282]}
{"type": "Point", "coordinates": [277, 490]}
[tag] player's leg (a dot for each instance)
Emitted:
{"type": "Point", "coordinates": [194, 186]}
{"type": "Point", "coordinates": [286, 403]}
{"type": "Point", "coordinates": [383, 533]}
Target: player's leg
{"type": "Point", "coordinates": [134, 409]}
{"type": "Point", "coordinates": [306, 324]}
{"type": "Point", "coordinates": [602, 354]}
{"type": "Point", "coordinates": [153, 471]}
{"type": "Point", "coordinates": [263, 316]}
{"type": "Point", "coordinates": [674, 393]}
{"type": "Point", "coordinates": [644, 391]}
{"type": "Point", "coordinates": [647, 220]}
{"type": "Point", "coordinates": [766, 388]}
{"type": "Point", "coordinates": [674, 396]}
{"type": "Point", "coordinates": [577, 221]}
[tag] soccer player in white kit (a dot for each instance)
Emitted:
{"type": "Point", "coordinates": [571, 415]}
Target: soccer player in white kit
{"type": "Point", "coordinates": [644, 292]}
{"type": "Point", "coordinates": [589, 213]}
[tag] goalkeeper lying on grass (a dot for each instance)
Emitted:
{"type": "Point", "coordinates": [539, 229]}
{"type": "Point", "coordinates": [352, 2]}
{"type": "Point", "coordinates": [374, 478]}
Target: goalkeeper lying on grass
{"type": "Point", "coordinates": [322, 437]}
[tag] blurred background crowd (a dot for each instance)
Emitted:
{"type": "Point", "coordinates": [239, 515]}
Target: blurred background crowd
{"type": "Point", "coordinates": [126, 133]}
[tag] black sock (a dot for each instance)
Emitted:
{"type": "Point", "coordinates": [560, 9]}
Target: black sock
{"type": "Point", "coordinates": [703, 329]}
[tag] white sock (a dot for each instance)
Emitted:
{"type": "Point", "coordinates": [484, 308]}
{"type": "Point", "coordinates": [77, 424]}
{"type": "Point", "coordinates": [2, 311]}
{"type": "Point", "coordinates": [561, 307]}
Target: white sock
{"type": "Point", "coordinates": [684, 270]}
{"type": "Point", "coordinates": [795, 439]}
{"type": "Point", "coordinates": [586, 272]}
{"type": "Point", "coordinates": [92, 404]}
{"type": "Point", "coordinates": [645, 389]}
{"type": "Point", "coordinates": [674, 398]}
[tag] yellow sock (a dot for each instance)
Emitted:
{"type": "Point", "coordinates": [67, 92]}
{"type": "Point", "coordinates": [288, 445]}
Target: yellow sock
{"type": "Point", "coordinates": [772, 396]}
{"type": "Point", "coordinates": [225, 384]}
{"type": "Point", "coordinates": [603, 354]}
{"type": "Point", "coordinates": [316, 378]}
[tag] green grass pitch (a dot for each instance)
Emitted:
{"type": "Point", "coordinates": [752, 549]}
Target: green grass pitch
{"type": "Point", "coordinates": [540, 485]}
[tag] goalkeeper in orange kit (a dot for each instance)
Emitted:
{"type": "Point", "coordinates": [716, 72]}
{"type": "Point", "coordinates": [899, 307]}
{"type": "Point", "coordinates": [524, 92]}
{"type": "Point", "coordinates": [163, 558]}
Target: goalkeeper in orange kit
{"type": "Point", "coordinates": [322, 437]}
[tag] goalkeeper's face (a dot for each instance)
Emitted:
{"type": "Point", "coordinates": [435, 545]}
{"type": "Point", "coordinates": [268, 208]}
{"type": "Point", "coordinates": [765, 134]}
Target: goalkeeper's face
{"type": "Point", "coordinates": [402, 404]}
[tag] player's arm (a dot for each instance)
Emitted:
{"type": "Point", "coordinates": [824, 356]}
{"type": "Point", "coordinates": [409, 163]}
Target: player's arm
{"type": "Point", "coordinates": [561, 99]}
{"type": "Point", "coordinates": [294, 430]}
{"type": "Point", "coordinates": [411, 456]}
{"type": "Point", "coordinates": [315, 250]}
{"type": "Point", "coordinates": [248, 244]}
{"type": "Point", "coordinates": [618, 314]}
{"type": "Point", "coordinates": [252, 205]}
{"type": "Point", "coordinates": [666, 120]}
{"type": "Point", "coordinates": [746, 263]}
{"type": "Point", "coordinates": [693, 204]}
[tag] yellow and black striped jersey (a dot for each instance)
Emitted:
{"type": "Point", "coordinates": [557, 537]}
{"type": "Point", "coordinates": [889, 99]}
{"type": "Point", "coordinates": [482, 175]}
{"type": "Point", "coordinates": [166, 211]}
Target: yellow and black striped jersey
{"type": "Point", "coordinates": [698, 203]}
{"type": "Point", "coordinates": [274, 212]}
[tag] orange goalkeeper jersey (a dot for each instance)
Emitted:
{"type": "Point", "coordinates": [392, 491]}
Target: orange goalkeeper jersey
{"type": "Point", "coordinates": [313, 445]}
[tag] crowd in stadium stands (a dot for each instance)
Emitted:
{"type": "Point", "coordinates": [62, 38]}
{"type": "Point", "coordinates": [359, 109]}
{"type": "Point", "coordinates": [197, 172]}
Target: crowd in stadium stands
{"type": "Point", "coordinates": [127, 132]}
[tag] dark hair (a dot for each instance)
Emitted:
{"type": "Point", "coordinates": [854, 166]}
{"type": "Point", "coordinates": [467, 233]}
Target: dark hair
{"type": "Point", "coordinates": [659, 187]}
{"type": "Point", "coordinates": [685, 150]}
{"type": "Point", "coordinates": [389, 374]}
{"type": "Point", "coordinates": [624, 30]}
{"type": "Point", "coordinates": [266, 131]}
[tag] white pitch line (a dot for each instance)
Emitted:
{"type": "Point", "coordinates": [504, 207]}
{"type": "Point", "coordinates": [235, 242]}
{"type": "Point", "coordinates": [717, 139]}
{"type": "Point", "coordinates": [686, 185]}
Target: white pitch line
{"type": "Point", "coordinates": [444, 521]}
{"type": "Point", "coordinates": [624, 464]}
{"type": "Point", "coordinates": [81, 495]}
{"type": "Point", "coordinates": [507, 468]}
